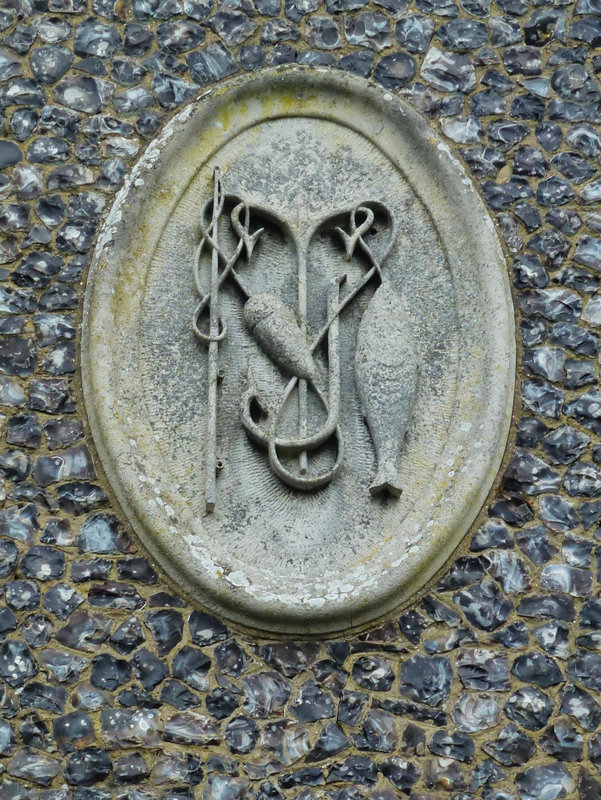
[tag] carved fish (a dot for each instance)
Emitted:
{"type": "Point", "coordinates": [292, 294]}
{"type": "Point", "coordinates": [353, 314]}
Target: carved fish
{"type": "Point", "coordinates": [386, 380]}
{"type": "Point", "coordinates": [275, 328]}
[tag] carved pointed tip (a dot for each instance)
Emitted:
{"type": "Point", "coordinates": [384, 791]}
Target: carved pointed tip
{"type": "Point", "coordinates": [347, 241]}
{"type": "Point", "coordinates": [250, 378]}
{"type": "Point", "coordinates": [386, 481]}
{"type": "Point", "coordinates": [250, 242]}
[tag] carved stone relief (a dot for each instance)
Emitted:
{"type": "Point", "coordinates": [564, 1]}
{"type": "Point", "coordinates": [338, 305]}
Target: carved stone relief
{"type": "Point", "coordinates": [298, 352]}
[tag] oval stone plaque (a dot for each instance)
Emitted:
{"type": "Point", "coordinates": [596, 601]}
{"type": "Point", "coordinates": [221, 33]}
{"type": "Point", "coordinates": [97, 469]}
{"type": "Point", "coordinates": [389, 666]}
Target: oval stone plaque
{"type": "Point", "coordinates": [298, 351]}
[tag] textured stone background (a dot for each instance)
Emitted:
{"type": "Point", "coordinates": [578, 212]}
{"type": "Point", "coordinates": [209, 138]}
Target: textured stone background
{"type": "Point", "coordinates": [111, 685]}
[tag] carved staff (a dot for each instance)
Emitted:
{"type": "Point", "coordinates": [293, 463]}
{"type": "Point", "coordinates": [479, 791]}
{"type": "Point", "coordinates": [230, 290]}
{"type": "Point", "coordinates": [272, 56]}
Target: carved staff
{"type": "Point", "coordinates": [211, 448]}
{"type": "Point", "coordinates": [217, 327]}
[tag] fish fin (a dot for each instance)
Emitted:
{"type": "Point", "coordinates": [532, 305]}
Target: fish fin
{"type": "Point", "coordinates": [386, 480]}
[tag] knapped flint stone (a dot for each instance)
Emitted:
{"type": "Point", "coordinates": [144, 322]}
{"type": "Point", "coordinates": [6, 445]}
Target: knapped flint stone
{"type": "Point", "coordinates": [50, 63]}
{"type": "Point", "coordinates": [17, 356]}
{"type": "Point", "coordinates": [73, 729]}
{"type": "Point", "coordinates": [575, 338]}
{"type": "Point", "coordinates": [167, 627]}
{"type": "Point", "coordinates": [43, 563]}
{"type": "Point", "coordinates": [564, 444]}
{"type": "Point", "coordinates": [378, 733]}
{"type": "Point", "coordinates": [80, 497]}
{"type": "Point", "coordinates": [554, 606]}
{"type": "Point", "coordinates": [190, 728]}
{"type": "Point", "coordinates": [109, 672]}
{"type": "Point", "coordinates": [85, 632]}
{"type": "Point", "coordinates": [401, 774]}
{"type": "Point", "coordinates": [577, 550]}
{"type": "Point", "coordinates": [206, 629]}
{"type": "Point", "coordinates": [288, 740]}
{"type": "Point", "coordinates": [475, 712]}
{"type": "Point", "coordinates": [17, 663]}
{"type": "Point", "coordinates": [23, 430]}
{"type": "Point", "coordinates": [463, 572]}
{"type": "Point", "coordinates": [414, 32]}
{"type": "Point", "coordinates": [492, 534]}
{"type": "Point", "coordinates": [122, 728]}
{"type": "Point", "coordinates": [51, 395]}
{"type": "Point", "coordinates": [358, 769]}
{"type": "Point", "coordinates": [130, 768]}
{"type": "Point", "coordinates": [94, 38]}
{"type": "Point", "coordinates": [330, 741]}
{"type": "Point", "coordinates": [373, 673]}
{"type": "Point", "coordinates": [530, 707]}
{"type": "Point", "coordinates": [177, 767]}
{"type": "Point", "coordinates": [231, 659]}
{"type": "Point", "coordinates": [529, 273]}
{"type": "Point", "coordinates": [448, 72]}
{"type": "Point", "coordinates": [11, 393]}
{"type": "Point", "coordinates": [177, 36]}
{"type": "Point", "coordinates": [22, 595]}
{"type": "Point", "coordinates": [412, 625]}
{"type": "Point", "coordinates": [88, 698]}
{"type": "Point", "coordinates": [62, 432]}
{"type": "Point", "coordinates": [588, 787]}
{"type": "Point", "coordinates": [289, 658]}
{"type": "Point", "coordinates": [538, 669]}
{"type": "Point", "coordinates": [462, 34]}
{"type": "Point", "coordinates": [484, 605]}
{"type": "Point", "coordinates": [512, 747]}
{"type": "Point", "coordinates": [439, 612]}
{"type": "Point", "coordinates": [95, 569]}
{"type": "Point", "coordinates": [568, 580]}
{"type": "Point", "coordinates": [444, 772]}
{"type": "Point", "coordinates": [548, 781]}
{"type": "Point", "coordinates": [582, 706]}
{"type": "Point", "coordinates": [14, 465]}
{"type": "Point", "coordinates": [102, 533]}
{"type": "Point", "coordinates": [241, 734]}
{"type": "Point", "coordinates": [148, 669]}
{"type": "Point", "coordinates": [590, 614]}
{"type": "Point", "coordinates": [585, 668]}
{"type": "Point", "coordinates": [565, 220]}
{"type": "Point", "coordinates": [19, 522]}
{"type": "Point", "coordinates": [8, 621]}
{"type": "Point", "coordinates": [557, 513]}
{"type": "Point", "coordinates": [529, 474]}
{"type": "Point", "coordinates": [9, 555]}
{"type": "Point", "coordinates": [7, 738]}
{"type": "Point", "coordinates": [395, 71]}
{"type": "Point", "coordinates": [483, 670]}
{"type": "Point", "coordinates": [178, 695]}
{"type": "Point", "coordinates": [529, 215]}
{"type": "Point", "coordinates": [370, 29]}
{"type": "Point", "coordinates": [312, 703]}
{"type": "Point", "coordinates": [34, 766]}
{"type": "Point", "coordinates": [192, 665]}
{"type": "Point", "coordinates": [553, 638]}
{"type": "Point", "coordinates": [46, 698]}
{"type": "Point", "coordinates": [266, 693]}
{"type": "Point", "coordinates": [112, 594]}
{"type": "Point", "coordinates": [87, 766]}
{"type": "Point", "coordinates": [426, 679]}
{"type": "Point", "coordinates": [9, 153]}
{"type": "Point", "coordinates": [351, 707]}
{"type": "Point", "coordinates": [222, 702]}
{"type": "Point", "coordinates": [458, 746]}
{"type": "Point", "coordinates": [211, 63]}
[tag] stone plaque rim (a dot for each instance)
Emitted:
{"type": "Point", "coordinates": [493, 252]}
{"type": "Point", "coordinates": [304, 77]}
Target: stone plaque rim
{"type": "Point", "coordinates": [280, 616]}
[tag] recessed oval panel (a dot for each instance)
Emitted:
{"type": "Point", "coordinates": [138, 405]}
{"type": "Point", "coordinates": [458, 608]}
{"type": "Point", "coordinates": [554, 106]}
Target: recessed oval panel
{"type": "Point", "coordinates": [298, 351]}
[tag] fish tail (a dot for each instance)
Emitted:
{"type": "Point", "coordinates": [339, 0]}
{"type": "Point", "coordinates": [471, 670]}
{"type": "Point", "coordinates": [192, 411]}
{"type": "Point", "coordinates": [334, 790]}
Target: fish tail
{"type": "Point", "coordinates": [386, 480]}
